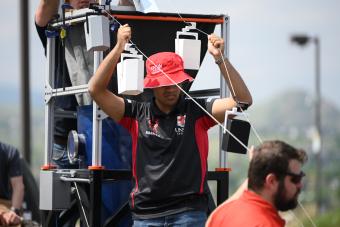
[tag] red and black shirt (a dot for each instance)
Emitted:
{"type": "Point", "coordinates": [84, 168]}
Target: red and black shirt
{"type": "Point", "coordinates": [169, 156]}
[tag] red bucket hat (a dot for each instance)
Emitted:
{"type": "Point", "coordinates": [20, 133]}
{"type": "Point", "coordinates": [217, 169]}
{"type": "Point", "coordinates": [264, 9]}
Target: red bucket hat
{"type": "Point", "coordinates": [168, 62]}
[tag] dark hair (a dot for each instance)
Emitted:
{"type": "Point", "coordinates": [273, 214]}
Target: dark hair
{"type": "Point", "coordinates": [271, 157]}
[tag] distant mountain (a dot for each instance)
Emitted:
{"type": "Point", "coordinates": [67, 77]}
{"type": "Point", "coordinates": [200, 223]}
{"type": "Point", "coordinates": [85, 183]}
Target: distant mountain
{"type": "Point", "coordinates": [293, 111]}
{"type": "Point", "coordinates": [10, 117]}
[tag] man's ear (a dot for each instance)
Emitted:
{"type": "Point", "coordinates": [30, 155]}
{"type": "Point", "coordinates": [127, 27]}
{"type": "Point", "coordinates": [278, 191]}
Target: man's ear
{"type": "Point", "coordinates": [271, 181]}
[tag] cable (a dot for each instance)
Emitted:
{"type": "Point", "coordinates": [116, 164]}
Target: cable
{"type": "Point", "coordinates": [81, 204]}
{"type": "Point", "coordinates": [299, 221]}
{"type": "Point", "coordinates": [231, 84]}
{"type": "Point", "coordinates": [227, 71]}
{"type": "Point", "coordinates": [187, 23]}
{"type": "Point", "coordinates": [307, 214]}
{"type": "Point", "coordinates": [251, 125]}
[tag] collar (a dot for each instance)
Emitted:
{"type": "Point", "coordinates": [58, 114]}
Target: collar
{"type": "Point", "coordinates": [177, 108]}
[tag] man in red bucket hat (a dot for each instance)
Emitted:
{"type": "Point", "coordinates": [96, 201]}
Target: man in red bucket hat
{"type": "Point", "coordinates": [168, 62]}
{"type": "Point", "coordinates": [169, 134]}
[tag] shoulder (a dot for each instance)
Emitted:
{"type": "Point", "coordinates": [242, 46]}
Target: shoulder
{"type": "Point", "coordinates": [200, 100]}
{"type": "Point", "coordinates": [206, 103]}
{"type": "Point", "coordinates": [9, 153]}
{"type": "Point", "coordinates": [224, 210]}
{"type": "Point", "coordinates": [41, 33]}
{"type": "Point", "coordinates": [8, 148]}
{"type": "Point", "coordinates": [134, 103]}
{"type": "Point", "coordinates": [233, 213]}
{"type": "Point", "coordinates": [135, 108]}
{"type": "Point", "coordinates": [229, 211]}
{"type": "Point", "coordinates": [40, 29]}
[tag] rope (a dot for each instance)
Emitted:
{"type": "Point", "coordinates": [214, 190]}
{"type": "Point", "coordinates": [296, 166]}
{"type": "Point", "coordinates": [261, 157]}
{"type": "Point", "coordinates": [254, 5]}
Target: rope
{"type": "Point", "coordinates": [231, 84]}
{"type": "Point", "coordinates": [299, 221]}
{"type": "Point", "coordinates": [307, 214]}
{"type": "Point", "coordinates": [251, 126]}
{"type": "Point", "coordinates": [190, 23]}
{"type": "Point", "coordinates": [81, 204]}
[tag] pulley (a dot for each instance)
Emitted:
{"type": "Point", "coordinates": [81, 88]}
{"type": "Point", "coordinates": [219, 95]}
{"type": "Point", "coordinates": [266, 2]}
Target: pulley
{"type": "Point", "coordinates": [76, 148]}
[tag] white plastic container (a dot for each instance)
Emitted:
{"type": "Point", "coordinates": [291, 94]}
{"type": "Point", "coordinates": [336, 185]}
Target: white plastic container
{"type": "Point", "coordinates": [97, 33]}
{"type": "Point", "coordinates": [130, 73]}
{"type": "Point", "coordinates": [189, 49]}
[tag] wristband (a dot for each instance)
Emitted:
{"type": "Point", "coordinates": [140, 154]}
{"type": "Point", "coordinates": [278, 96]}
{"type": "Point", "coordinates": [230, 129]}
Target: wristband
{"type": "Point", "coordinates": [16, 210]}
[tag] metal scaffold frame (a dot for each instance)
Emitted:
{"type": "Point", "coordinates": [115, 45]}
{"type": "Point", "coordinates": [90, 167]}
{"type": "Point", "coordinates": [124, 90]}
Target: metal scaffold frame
{"type": "Point", "coordinates": [96, 174]}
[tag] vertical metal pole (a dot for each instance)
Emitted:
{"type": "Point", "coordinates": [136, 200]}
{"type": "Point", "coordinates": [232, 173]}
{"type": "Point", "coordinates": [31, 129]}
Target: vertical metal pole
{"type": "Point", "coordinates": [318, 155]}
{"type": "Point", "coordinates": [49, 102]}
{"type": "Point", "coordinates": [223, 85]}
{"type": "Point", "coordinates": [95, 197]}
{"type": "Point", "coordinates": [25, 88]}
{"type": "Point", "coordinates": [97, 122]}
{"type": "Point", "coordinates": [222, 187]}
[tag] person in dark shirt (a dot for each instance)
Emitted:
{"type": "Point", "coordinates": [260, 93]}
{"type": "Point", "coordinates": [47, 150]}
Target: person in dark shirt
{"type": "Point", "coordinates": [169, 134]}
{"type": "Point", "coordinates": [78, 69]}
{"type": "Point", "coordinates": [71, 75]}
{"type": "Point", "coordinates": [11, 184]}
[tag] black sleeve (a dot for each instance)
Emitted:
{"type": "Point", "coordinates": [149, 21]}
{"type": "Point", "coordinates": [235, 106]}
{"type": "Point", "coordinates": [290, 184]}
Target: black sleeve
{"type": "Point", "coordinates": [132, 108]}
{"type": "Point", "coordinates": [42, 35]}
{"type": "Point", "coordinates": [206, 103]}
{"type": "Point", "coordinates": [13, 161]}
{"type": "Point", "coordinates": [209, 103]}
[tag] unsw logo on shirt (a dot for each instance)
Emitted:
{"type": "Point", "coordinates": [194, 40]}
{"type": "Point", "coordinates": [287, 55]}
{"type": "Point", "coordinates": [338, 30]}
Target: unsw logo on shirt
{"type": "Point", "coordinates": [153, 126]}
{"type": "Point", "coordinates": [181, 120]}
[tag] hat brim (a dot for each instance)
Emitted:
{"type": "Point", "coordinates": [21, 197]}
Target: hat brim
{"type": "Point", "coordinates": [162, 80]}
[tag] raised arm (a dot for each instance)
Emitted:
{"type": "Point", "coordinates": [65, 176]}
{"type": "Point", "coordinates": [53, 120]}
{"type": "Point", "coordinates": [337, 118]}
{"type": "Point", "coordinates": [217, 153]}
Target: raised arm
{"type": "Point", "coordinates": [45, 11]}
{"type": "Point", "coordinates": [111, 104]}
{"type": "Point", "coordinates": [233, 79]}
{"type": "Point", "coordinates": [18, 190]}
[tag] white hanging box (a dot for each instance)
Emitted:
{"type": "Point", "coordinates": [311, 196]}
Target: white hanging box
{"type": "Point", "coordinates": [97, 33]}
{"type": "Point", "coordinates": [130, 72]}
{"type": "Point", "coordinates": [189, 49]}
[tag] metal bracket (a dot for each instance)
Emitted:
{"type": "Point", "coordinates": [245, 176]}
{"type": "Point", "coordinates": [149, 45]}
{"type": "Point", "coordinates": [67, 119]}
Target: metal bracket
{"type": "Point", "coordinates": [101, 115]}
{"type": "Point", "coordinates": [48, 93]}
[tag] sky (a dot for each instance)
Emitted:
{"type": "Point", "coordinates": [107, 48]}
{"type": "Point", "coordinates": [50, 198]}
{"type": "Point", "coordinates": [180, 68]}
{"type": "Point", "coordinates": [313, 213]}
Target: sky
{"type": "Point", "coordinates": [259, 45]}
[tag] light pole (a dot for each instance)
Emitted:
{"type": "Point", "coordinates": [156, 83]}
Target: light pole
{"type": "Point", "coordinates": [25, 88]}
{"type": "Point", "coordinates": [303, 40]}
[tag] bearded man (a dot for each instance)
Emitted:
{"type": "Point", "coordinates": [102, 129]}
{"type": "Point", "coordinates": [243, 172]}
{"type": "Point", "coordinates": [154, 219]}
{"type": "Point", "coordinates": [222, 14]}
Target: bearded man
{"type": "Point", "coordinates": [274, 183]}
